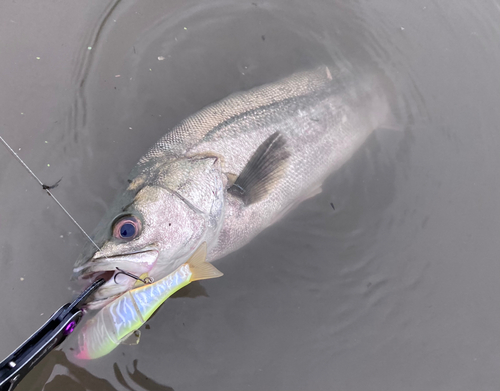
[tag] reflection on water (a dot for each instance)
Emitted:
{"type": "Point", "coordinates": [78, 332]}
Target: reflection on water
{"type": "Point", "coordinates": [76, 378]}
{"type": "Point", "coordinates": [395, 289]}
{"type": "Point", "coordinates": [84, 58]}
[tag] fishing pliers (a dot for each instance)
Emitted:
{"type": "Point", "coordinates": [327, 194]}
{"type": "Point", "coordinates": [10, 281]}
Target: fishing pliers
{"type": "Point", "coordinates": [17, 365]}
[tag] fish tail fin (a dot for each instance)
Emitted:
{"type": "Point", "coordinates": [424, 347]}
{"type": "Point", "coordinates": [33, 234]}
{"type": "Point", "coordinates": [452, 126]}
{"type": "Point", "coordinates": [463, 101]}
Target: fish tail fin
{"type": "Point", "coordinates": [200, 268]}
{"type": "Point", "coordinates": [389, 105]}
{"type": "Point", "coordinates": [391, 122]}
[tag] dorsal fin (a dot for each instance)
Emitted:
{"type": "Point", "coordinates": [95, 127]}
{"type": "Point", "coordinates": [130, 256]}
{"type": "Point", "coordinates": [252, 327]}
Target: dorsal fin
{"type": "Point", "coordinates": [263, 171]}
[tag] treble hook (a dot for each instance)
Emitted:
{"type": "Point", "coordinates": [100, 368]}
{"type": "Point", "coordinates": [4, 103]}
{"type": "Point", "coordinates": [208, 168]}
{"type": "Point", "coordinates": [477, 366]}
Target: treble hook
{"type": "Point", "coordinates": [147, 280]}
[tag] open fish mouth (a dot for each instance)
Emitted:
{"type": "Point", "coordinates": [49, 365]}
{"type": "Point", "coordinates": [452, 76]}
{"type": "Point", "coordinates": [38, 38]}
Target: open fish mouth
{"type": "Point", "coordinates": [111, 269]}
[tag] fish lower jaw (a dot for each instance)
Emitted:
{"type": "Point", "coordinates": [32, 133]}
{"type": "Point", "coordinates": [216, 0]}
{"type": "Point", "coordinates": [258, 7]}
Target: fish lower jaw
{"type": "Point", "coordinates": [118, 273]}
{"type": "Point", "coordinates": [112, 289]}
{"type": "Point", "coordinates": [98, 304]}
{"type": "Point", "coordinates": [114, 286]}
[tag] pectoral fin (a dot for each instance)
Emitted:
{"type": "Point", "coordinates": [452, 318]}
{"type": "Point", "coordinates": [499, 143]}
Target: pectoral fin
{"type": "Point", "coordinates": [263, 171]}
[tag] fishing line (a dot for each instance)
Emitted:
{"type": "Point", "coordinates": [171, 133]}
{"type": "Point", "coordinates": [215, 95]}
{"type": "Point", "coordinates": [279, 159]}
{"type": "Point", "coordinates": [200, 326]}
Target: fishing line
{"type": "Point", "coordinates": [47, 189]}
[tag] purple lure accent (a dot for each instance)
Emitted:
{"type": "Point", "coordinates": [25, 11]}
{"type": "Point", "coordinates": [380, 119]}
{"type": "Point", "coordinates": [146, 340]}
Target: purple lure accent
{"type": "Point", "coordinates": [69, 328]}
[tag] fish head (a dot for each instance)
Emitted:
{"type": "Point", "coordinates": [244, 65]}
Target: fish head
{"type": "Point", "coordinates": [152, 228]}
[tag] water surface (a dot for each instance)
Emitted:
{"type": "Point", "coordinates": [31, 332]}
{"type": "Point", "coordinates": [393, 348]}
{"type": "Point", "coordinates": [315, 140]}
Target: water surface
{"type": "Point", "coordinates": [395, 288]}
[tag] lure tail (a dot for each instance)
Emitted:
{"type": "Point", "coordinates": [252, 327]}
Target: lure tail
{"type": "Point", "coordinates": [114, 323]}
{"type": "Point", "coordinates": [200, 268]}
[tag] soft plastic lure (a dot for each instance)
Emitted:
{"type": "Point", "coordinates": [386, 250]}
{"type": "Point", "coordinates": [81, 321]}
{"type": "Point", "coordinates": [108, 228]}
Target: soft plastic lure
{"type": "Point", "coordinates": [124, 315]}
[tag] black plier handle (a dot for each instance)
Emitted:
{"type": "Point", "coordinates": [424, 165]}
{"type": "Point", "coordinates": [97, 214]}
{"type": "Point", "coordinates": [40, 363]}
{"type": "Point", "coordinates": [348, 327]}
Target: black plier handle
{"type": "Point", "coordinates": [16, 366]}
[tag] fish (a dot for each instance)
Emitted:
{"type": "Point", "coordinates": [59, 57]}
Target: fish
{"type": "Point", "coordinates": [120, 318]}
{"type": "Point", "coordinates": [225, 173]}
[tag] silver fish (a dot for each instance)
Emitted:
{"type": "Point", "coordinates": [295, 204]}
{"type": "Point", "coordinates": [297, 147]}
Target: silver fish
{"type": "Point", "coordinates": [227, 172]}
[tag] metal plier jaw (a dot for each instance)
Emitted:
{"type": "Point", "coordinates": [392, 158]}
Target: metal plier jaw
{"type": "Point", "coordinates": [17, 365]}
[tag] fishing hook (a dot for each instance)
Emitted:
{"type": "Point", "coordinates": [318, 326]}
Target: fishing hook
{"type": "Point", "coordinates": [147, 280]}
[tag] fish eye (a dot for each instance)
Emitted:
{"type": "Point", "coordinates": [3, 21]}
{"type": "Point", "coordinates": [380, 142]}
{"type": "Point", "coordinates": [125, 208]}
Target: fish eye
{"type": "Point", "coordinates": [126, 227]}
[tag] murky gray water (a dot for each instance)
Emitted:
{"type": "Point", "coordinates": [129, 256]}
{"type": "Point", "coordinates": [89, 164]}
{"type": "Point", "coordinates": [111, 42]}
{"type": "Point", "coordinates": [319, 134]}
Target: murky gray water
{"type": "Point", "coordinates": [395, 289]}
